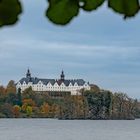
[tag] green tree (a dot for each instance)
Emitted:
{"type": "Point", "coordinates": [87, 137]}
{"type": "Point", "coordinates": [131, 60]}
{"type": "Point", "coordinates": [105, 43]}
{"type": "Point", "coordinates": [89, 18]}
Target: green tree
{"type": "Point", "coordinates": [11, 98]}
{"type": "Point", "coordinates": [63, 11]}
{"type": "Point", "coordinates": [28, 93]}
{"type": "Point", "coordinates": [19, 97]}
{"type": "Point", "coordinates": [99, 104]}
{"type": "Point", "coordinates": [7, 110]}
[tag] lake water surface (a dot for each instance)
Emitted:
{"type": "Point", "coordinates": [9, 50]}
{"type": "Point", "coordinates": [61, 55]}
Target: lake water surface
{"type": "Point", "coordinates": [47, 129]}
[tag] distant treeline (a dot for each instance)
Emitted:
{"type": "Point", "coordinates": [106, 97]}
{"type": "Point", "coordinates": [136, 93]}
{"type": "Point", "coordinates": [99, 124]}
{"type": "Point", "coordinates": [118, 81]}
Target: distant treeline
{"type": "Point", "coordinates": [93, 104]}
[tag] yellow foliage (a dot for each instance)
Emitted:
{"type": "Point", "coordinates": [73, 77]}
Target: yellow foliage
{"type": "Point", "coordinates": [29, 110]}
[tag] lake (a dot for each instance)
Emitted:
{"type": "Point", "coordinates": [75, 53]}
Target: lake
{"type": "Point", "coordinates": [51, 129]}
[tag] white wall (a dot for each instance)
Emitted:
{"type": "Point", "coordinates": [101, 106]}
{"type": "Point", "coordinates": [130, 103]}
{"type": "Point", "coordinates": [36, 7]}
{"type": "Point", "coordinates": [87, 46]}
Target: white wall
{"type": "Point", "coordinates": [41, 87]}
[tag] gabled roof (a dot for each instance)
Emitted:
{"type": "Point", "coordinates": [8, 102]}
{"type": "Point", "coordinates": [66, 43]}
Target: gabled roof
{"type": "Point", "coordinates": [35, 80]}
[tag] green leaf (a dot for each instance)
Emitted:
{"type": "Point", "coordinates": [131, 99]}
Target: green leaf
{"type": "Point", "coordinates": [128, 8]}
{"type": "Point", "coordinates": [90, 5]}
{"type": "Point", "coordinates": [9, 11]}
{"type": "Point", "coordinates": [62, 11]}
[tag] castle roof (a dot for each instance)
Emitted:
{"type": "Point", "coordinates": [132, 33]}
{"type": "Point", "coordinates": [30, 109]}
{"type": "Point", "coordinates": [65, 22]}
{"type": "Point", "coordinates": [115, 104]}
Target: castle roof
{"type": "Point", "coordinates": [35, 80]}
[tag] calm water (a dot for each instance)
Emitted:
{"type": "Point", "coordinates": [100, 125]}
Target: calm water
{"type": "Point", "coordinates": [46, 129]}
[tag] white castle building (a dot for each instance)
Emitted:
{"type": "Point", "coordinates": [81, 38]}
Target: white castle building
{"type": "Point", "coordinates": [58, 85]}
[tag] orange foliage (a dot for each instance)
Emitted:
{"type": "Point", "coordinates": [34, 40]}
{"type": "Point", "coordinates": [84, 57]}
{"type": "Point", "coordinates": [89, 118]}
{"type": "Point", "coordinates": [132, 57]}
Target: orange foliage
{"type": "Point", "coordinates": [26, 103]}
{"type": "Point", "coordinates": [29, 102]}
{"type": "Point", "coordinates": [45, 108]}
{"type": "Point", "coordinates": [16, 111]}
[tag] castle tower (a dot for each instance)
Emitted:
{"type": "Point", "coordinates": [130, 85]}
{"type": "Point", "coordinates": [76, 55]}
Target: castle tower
{"type": "Point", "coordinates": [28, 74]}
{"type": "Point", "coordinates": [62, 76]}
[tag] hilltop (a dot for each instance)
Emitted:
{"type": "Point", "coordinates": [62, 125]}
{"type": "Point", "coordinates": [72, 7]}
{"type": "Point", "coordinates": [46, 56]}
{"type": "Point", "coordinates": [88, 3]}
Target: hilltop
{"type": "Point", "coordinates": [95, 103]}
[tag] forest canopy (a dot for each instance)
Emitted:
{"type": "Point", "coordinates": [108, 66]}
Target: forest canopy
{"type": "Point", "coordinates": [61, 12]}
{"type": "Point", "coordinates": [95, 103]}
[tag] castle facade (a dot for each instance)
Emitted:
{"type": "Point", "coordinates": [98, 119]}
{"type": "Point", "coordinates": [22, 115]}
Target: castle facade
{"type": "Point", "coordinates": [58, 85]}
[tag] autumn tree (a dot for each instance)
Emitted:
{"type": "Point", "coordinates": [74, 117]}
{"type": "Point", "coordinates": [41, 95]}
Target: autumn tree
{"type": "Point", "coordinates": [28, 93]}
{"type": "Point", "coordinates": [29, 111]}
{"type": "Point", "coordinates": [2, 90]}
{"type": "Point", "coordinates": [67, 108]}
{"type": "Point", "coordinates": [45, 109]}
{"type": "Point", "coordinates": [53, 111]}
{"type": "Point", "coordinates": [16, 111]}
{"type": "Point", "coordinates": [11, 87]}
{"type": "Point", "coordinates": [118, 105]}
{"type": "Point", "coordinates": [7, 110]}
{"type": "Point", "coordinates": [2, 95]}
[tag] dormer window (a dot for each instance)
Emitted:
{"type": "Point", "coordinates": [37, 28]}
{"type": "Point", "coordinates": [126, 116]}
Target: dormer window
{"type": "Point", "coordinates": [39, 83]}
{"type": "Point", "coordinates": [85, 84]}
{"type": "Point", "coordinates": [75, 84]}
{"type": "Point", "coordinates": [56, 85]}
{"type": "Point", "coordinates": [62, 85]}
{"type": "Point", "coordinates": [24, 83]}
{"type": "Point", "coordinates": [70, 84]}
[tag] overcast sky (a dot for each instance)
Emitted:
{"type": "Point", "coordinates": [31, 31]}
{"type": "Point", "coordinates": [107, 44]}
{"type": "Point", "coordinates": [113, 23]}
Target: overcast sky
{"type": "Point", "coordinates": [99, 47]}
